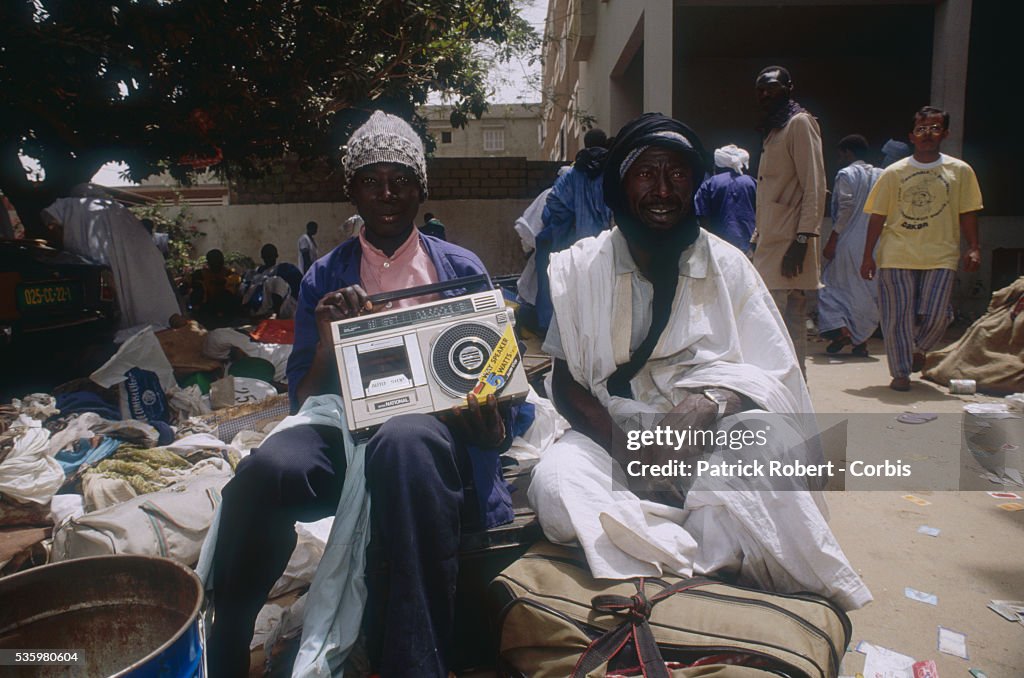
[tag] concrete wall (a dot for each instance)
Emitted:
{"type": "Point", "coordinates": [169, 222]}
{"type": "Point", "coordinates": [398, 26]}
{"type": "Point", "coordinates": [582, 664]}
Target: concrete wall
{"type": "Point", "coordinates": [483, 226]}
{"type": "Point", "coordinates": [477, 199]}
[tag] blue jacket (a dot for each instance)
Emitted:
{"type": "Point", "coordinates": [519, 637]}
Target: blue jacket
{"type": "Point", "coordinates": [339, 268]}
{"type": "Point", "coordinates": [727, 200]}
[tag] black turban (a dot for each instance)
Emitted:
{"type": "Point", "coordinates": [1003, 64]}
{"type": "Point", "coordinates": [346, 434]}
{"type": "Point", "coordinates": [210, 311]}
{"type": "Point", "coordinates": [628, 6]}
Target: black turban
{"type": "Point", "coordinates": [650, 129]}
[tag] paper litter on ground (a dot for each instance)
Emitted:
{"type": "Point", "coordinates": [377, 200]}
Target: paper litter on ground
{"type": "Point", "coordinates": [921, 596]}
{"type": "Point", "coordinates": [925, 669]}
{"type": "Point", "coordinates": [1009, 610]}
{"type": "Point", "coordinates": [882, 663]}
{"type": "Point", "coordinates": [952, 642]}
{"type": "Point", "coordinates": [916, 417]}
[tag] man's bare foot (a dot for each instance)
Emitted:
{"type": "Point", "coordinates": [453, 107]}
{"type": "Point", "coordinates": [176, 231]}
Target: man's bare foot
{"type": "Point", "coordinates": [900, 384]}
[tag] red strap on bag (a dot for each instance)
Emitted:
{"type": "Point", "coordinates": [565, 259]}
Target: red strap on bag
{"type": "Point", "coordinates": [637, 610]}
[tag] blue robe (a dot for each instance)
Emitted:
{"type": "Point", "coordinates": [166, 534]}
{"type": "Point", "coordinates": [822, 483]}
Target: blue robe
{"type": "Point", "coordinates": [575, 209]}
{"type": "Point", "coordinates": [726, 201]}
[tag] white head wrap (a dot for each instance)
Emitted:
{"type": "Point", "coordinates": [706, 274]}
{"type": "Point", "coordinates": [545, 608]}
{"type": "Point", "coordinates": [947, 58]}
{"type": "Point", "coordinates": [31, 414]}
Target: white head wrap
{"type": "Point", "coordinates": [385, 138]}
{"type": "Point", "coordinates": [732, 157]}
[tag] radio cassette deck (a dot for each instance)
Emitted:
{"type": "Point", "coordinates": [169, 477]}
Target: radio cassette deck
{"type": "Point", "coordinates": [427, 358]}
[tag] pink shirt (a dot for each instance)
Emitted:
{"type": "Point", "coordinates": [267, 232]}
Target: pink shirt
{"type": "Point", "coordinates": [409, 266]}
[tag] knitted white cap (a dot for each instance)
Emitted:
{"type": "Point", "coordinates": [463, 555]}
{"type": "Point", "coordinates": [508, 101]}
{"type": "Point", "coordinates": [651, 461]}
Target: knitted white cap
{"type": "Point", "coordinates": [385, 138]}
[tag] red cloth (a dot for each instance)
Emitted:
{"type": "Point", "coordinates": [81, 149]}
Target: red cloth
{"type": "Point", "coordinates": [274, 332]}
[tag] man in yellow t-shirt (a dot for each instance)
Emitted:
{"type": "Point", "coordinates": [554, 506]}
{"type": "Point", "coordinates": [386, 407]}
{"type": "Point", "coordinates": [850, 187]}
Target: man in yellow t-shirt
{"type": "Point", "coordinates": [919, 208]}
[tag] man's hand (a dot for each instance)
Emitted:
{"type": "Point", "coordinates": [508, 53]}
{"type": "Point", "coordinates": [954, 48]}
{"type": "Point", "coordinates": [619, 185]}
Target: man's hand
{"type": "Point", "coordinates": [830, 247]}
{"type": "Point", "coordinates": [477, 424]}
{"type": "Point", "coordinates": [867, 268]}
{"type": "Point", "coordinates": [972, 260]}
{"type": "Point", "coordinates": [340, 305]}
{"type": "Point", "coordinates": [793, 260]}
{"type": "Point", "coordinates": [696, 412]}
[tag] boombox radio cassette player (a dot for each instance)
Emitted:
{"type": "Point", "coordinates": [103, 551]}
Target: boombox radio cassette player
{"type": "Point", "coordinates": [427, 358]}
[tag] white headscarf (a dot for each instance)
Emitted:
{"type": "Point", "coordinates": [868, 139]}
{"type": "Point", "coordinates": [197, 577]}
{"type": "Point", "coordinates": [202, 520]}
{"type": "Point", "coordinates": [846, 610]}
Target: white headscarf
{"type": "Point", "coordinates": [732, 157]}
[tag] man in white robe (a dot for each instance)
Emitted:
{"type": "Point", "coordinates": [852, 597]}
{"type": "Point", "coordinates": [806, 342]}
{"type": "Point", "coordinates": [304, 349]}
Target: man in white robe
{"type": "Point", "coordinates": [105, 232]}
{"type": "Point", "coordinates": [659, 317]}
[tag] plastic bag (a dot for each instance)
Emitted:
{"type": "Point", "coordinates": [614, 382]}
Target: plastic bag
{"type": "Point", "coordinates": [144, 374]}
{"type": "Point", "coordinates": [29, 473]}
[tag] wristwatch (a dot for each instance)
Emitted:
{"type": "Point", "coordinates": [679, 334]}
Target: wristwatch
{"type": "Point", "coordinates": [802, 238]}
{"type": "Point", "coordinates": [719, 397]}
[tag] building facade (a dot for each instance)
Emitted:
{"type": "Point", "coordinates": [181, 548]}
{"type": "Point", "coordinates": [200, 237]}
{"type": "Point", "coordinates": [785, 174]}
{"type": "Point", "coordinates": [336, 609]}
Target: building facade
{"type": "Point", "coordinates": [504, 131]}
{"type": "Point", "coordinates": [860, 66]}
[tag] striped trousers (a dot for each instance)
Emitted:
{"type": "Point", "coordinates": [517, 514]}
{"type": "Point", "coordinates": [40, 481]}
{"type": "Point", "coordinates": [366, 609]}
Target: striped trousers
{"type": "Point", "coordinates": [915, 310]}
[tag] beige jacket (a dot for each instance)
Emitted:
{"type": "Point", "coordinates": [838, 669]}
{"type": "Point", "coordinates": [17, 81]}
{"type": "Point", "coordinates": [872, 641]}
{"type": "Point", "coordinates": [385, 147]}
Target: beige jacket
{"type": "Point", "coordinates": [790, 200]}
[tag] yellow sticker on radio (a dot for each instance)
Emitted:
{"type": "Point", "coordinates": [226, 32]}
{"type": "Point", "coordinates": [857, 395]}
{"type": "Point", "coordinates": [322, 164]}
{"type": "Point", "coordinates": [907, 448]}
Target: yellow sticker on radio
{"type": "Point", "coordinates": [498, 370]}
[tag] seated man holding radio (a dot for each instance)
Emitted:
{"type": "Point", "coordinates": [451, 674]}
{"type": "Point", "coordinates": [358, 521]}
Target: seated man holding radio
{"type": "Point", "coordinates": [417, 466]}
{"type": "Point", "coordinates": [658, 317]}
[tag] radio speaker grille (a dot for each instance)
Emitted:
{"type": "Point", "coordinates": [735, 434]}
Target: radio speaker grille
{"type": "Point", "coordinates": [458, 355]}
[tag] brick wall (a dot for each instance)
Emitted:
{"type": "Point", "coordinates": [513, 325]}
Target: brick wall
{"type": "Point", "coordinates": [450, 179]}
{"type": "Point", "coordinates": [489, 178]}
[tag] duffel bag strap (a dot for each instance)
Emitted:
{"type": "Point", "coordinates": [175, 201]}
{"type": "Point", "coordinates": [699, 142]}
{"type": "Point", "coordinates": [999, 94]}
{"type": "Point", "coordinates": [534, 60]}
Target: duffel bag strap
{"type": "Point", "coordinates": [637, 609]}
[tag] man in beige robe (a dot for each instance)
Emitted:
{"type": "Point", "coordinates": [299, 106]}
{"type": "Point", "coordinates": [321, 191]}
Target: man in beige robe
{"type": "Point", "coordinates": [790, 202]}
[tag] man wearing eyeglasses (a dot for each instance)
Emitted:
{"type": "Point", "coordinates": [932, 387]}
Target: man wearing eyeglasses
{"type": "Point", "coordinates": [920, 207]}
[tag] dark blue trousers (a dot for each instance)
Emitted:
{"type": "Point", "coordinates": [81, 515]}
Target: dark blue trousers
{"type": "Point", "coordinates": [415, 473]}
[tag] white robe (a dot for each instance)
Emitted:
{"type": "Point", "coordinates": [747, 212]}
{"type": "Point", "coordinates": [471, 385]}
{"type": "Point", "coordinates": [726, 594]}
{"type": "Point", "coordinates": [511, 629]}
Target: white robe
{"type": "Point", "coordinates": [528, 226]}
{"type": "Point", "coordinates": [725, 331]}
{"type": "Point", "coordinates": [105, 232]}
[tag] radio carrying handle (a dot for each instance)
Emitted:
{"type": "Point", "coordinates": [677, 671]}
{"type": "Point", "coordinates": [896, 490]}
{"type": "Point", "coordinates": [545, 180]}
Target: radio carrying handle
{"type": "Point", "coordinates": [432, 288]}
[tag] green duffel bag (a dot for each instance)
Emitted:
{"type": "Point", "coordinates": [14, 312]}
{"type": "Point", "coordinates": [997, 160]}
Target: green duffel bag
{"type": "Point", "coordinates": [556, 621]}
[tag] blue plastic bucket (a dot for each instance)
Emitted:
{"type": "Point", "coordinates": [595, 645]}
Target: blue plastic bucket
{"type": "Point", "coordinates": [126, 615]}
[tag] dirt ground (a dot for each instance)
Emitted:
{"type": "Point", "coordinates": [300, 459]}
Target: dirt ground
{"type": "Point", "coordinates": [978, 555]}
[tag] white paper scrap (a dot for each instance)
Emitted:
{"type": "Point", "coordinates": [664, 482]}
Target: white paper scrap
{"type": "Point", "coordinates": [921, 596]}
{"type": "Point", "coordinates": [1007, 609]}
{"type": "Point", "coordinates": [952, 642]}
{"type": "Point", "coordinates": [883, 663]}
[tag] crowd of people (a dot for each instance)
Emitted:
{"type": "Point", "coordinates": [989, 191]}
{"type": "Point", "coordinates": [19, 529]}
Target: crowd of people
{"type": "Point", "coordinates": [669, 283]}
{"type": "Point", "coordinates": [663, 288]}
{"type": "Point", "coordinates": [913, 220]}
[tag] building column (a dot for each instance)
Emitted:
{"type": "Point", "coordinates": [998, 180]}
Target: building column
{"type": "Point", "coordinates": [658, 58]}
{"type": "Point", "coordinates": [949, 67]}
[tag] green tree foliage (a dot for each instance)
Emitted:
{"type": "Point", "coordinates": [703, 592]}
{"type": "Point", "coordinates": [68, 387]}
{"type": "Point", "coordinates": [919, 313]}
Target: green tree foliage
{"type": "Point", "coordinates": [177, 223]}
{"type": "Point", "coordinates": [179, 84]}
